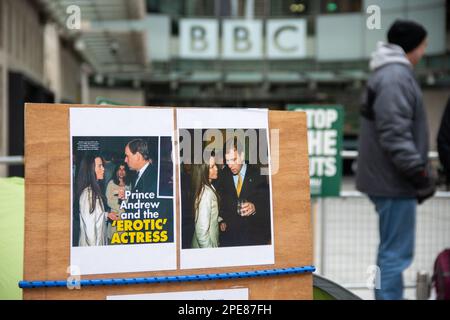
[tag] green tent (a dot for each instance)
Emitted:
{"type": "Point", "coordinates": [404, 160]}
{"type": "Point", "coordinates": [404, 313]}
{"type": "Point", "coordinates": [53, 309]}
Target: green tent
{"type": "Point", "coordinates": [11, 237]}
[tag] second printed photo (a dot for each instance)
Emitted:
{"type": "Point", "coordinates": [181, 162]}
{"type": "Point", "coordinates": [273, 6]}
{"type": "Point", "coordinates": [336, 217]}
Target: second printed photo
{"type": "Point", "coordinates": [225, 194]}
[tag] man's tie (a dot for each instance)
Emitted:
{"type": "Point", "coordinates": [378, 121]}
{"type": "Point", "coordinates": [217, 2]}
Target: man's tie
{"type": "Point", "coordinates": [239, 185]}
{"type": "Point", "coordinates": [137, 180]}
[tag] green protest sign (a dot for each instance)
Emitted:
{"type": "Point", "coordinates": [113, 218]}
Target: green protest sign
{"type": "Point", "coordinates": [107, 102]}
{"type": "Point", "coordinates": [325, 126]}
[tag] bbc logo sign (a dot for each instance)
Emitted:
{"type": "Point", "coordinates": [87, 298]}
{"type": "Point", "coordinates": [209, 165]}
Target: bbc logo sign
{"type": "Point", "coordinates": [242, 39]}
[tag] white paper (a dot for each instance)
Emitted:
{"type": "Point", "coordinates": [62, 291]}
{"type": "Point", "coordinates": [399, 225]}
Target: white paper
{"type": "Point", "coordinates": [231, 255]}
{"type": "Point", "coordinates": [227, 294]}
{"type": "Point", "coordinates": [99, 126]}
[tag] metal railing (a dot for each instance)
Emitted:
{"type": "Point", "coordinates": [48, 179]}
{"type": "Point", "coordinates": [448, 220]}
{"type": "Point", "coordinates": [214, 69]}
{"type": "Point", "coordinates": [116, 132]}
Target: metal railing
{"type": "Point", "coordinates": [12, 160]}
{"type": "Point", "coordinates": [353, 154]}
{"type": "Point", "coordinates": [346, 237]}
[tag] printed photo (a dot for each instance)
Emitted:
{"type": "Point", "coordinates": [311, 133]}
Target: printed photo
{"type": "Point", "coordinates": [122, 190]}
{"type": "Point", "coordinates": [225, 192]}
{"type": "Point", "coordinates": [121, 195]}
{"type": "Point", "coordinates": [225, 200]}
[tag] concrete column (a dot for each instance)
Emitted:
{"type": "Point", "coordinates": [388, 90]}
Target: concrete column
{"type": "Point", "coordinates": [234, 8]}
{"type": "Point", "coordinates": [249, 9]}
{"type": "Point", "coordinates": [52, 61]}
{"type": "Point", "coordinates": [84, 84]}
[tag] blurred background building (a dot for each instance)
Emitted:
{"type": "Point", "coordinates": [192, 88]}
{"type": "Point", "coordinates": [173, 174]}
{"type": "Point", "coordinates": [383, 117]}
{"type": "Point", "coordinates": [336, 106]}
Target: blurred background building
{"type": "Point", "coordinates": [204, 53]}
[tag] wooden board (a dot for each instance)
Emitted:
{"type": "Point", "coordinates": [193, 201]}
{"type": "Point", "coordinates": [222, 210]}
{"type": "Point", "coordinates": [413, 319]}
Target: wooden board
{"type": "Point", "coordinates": [48, 218]}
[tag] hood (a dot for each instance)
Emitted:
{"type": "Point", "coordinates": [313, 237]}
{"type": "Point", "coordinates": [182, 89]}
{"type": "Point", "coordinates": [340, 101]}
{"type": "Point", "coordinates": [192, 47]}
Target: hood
{"type": "Point", "coordinates": [387, 53]}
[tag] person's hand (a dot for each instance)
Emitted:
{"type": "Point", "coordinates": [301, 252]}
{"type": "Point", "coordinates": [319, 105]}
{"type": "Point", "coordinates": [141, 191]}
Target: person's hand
{"type": "Point", "coordinates": [113, 216]}
{"type": "Point", "coordinates": [223, 226]}
{"type": "Point", "coordinates": [420, 179]}
{"type": "Point", "coordinates": [247, 209]}
{"type": "Point", "coordinates": [425, 193]}
{"type": "Point", "coordinates": [425, 184]}
{"type": "Point", "coordinates": [427, 190]}
{"type": "Point", "coordinates": [121, 194]}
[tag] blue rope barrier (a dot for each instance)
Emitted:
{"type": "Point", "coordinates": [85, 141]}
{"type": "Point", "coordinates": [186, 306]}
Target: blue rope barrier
{"type": "Point", "coordinates": [168, 279]}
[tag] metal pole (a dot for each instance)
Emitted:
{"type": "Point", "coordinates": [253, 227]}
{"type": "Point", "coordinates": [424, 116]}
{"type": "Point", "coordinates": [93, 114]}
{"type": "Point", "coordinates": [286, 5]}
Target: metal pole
{"type": "Point", "coordinates": [11, 160]}
{"type": "Point", "coordinates": [315, 233]}
{"type": "Point", "coordinates": [84, 84]}
{"type": "Point", "coordinates": [423, 285]}
{"type": "Point", "coordinates": [322, 211]}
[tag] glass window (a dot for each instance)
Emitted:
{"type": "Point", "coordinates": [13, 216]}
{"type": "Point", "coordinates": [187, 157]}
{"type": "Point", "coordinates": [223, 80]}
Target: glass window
{"type": "Point", "coordinates": [289, 8]}
{"type": "Point", "coordinates": [183, 8]}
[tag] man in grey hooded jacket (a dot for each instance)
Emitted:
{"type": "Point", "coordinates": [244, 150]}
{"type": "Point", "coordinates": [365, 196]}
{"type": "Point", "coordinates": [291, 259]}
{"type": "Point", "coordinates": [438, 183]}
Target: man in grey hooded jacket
{"type": "Point", "coordinates": [393, 146]}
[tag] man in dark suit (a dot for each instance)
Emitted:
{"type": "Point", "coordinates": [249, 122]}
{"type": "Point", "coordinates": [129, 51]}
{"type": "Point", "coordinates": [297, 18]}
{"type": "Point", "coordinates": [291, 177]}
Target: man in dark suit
{"type": "Point", "coordinates": [240, 182]}
{"type": "Point", "coordinates": [137, 156]}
